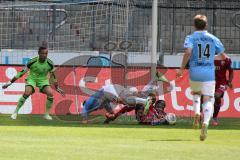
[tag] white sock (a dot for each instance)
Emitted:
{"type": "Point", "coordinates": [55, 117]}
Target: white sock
{"type": "Point", "coordinates": [135, 100]}
{"type": "Point", "coordinates": [207, 111]}
{"type": "Point", "coordinates": [196, 103]}
{"type": "Point", "coordinates": [140, 100]}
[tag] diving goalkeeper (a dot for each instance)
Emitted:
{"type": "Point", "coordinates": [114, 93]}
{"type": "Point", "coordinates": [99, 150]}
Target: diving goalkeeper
{"type": "Point", "coordinates": [40, 67]}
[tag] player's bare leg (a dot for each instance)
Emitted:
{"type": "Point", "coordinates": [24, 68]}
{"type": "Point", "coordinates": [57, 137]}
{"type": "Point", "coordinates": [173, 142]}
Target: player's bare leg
{"type": "Point", "coordinates": [27, 93]}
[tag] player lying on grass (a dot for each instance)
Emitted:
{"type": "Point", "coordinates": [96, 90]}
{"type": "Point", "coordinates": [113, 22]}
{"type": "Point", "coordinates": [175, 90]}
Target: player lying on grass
{"type": "Point", "coordinates": [39, 68]}
{"type": "Point", "coordinates": [155, 115]}
{"type": "Point", "coordinates": [107, 97]}
{"type": "Point", "coordinates": [130, 104]}
{"type": "Point", "coordinates": [117, 94]}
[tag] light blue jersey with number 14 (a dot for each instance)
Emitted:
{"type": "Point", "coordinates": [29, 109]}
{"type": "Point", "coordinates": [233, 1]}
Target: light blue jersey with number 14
{"type": "Point", "coordinates": [204, 47]}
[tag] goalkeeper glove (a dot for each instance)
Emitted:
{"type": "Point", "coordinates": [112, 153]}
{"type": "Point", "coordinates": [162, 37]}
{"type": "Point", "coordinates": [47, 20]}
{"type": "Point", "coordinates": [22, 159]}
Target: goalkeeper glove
{"type": "Point", "coordinates": [59, 90]}
{"type": "Point", "coordinates": [161, 77]}
{"type": "Point", "coordinates": [6, 85]}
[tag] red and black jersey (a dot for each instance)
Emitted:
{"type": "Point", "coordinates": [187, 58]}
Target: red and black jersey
{"type": "Point", "coordinates": [221, 68]}
{"type": "Point", "coordinates": [152, 115]}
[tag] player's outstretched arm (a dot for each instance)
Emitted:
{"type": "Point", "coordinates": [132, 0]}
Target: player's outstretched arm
{"type": "Point", "coordinates": [19, 75]}
{"type": "Point", "coordinates": [6, 85]}
{"type": "Point", "coordinates": [53, 80]}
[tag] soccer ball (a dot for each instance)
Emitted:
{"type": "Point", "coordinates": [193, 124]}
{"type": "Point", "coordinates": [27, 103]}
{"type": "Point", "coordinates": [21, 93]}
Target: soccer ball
{"type": "Point", "coordinates": [171, 118]}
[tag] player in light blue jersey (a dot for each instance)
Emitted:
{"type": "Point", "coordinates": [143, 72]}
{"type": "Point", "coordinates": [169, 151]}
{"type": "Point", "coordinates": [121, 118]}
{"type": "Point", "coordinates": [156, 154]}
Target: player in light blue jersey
{"type": "Point", "coordinates": [200, 49]}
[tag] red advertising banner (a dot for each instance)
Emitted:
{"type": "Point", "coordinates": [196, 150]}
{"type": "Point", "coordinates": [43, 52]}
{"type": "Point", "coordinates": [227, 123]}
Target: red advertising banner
{"type": "Point", "coordinates": [81, 82]}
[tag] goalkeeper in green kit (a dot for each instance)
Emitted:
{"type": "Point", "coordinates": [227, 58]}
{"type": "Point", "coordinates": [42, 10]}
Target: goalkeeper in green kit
{"type": "Point", "coordinates": [40, 67]}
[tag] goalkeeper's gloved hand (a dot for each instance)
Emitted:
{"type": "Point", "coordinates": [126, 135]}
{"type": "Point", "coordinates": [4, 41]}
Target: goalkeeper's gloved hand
{"type": "Point", "coordinates": [59, 90]}
{"type": "Point", "coordinates": [6, 85]}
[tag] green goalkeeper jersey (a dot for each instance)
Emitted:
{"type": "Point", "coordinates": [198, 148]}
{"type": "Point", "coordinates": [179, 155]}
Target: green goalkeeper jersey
{"type": "Point", "coordinates": [39, 71]}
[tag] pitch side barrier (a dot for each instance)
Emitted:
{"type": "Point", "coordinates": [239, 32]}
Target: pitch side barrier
{"type": "Point", "coordinates": [79, 82]}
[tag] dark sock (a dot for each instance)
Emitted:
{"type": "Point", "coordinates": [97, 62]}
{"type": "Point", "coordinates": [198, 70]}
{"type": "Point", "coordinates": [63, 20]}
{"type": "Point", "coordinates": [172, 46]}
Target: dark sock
{"type": "Point", "coordinates": [217, 106]}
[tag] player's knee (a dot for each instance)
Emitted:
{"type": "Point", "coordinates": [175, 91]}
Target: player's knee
{"type": "Point", "coordinates": [207, 99]}
{"type": "Point", "coordinates": [26, 96]}
{"type": "Point", "coordinates": [28, 92]}
{"type": "Point", "coordinates": [49, 94]}
{"type": "Point", "coordinates": [218, 96]}
{"type": "Point", "coordinates": [196, 98]}
{"type": "Point", "coordinates": [197, 93]}
{"type": "Point", "coordinates": [50, 98]}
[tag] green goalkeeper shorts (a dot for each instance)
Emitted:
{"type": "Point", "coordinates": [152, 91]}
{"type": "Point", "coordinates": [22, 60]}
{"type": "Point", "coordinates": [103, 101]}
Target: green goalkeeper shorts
{"type": "Point", "coordinates": [37, 83]}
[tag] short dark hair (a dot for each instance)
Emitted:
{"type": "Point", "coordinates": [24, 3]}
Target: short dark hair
{"type": "Point", "coordinates": [41, 48]}
{"type": "Point", "coordinates": [153, 97]}
{"type": "Point", "coordinates": [161, 104]}
{"type": "Point", "coordinates": [200, 22]}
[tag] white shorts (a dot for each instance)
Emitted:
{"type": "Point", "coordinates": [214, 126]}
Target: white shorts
{"type": "Point", "coordinates": [206, 88]}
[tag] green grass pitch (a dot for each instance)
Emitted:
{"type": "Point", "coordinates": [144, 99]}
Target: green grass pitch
{"type": "Point", "coordinates": [32, 138]}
